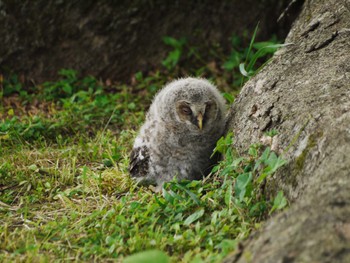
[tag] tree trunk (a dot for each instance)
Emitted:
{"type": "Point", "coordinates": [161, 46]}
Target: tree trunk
{"type": "Point", "coordinates": [304, 93]}
{"type": "Point", "coordinates": [115, 39]}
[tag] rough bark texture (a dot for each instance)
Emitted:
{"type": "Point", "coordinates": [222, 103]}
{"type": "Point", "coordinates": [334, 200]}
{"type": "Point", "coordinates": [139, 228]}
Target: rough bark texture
{"type": "Point", "coordinates": [304, 93]}
{"type": "Point", "coordinates": [114, 39]}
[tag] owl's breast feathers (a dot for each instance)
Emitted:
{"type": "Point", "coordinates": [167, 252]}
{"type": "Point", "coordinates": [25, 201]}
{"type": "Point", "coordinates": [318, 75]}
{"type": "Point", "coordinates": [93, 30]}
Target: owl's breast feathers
{"type": "Point", "coordinates": [139, 161]}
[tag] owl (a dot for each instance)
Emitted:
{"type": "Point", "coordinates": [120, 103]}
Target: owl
{"type": "Point", "coordinates": [184, 121]}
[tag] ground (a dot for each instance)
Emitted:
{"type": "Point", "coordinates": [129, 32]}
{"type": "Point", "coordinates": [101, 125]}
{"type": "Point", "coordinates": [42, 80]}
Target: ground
{"type": "Point", "coordinates": [65, 192]}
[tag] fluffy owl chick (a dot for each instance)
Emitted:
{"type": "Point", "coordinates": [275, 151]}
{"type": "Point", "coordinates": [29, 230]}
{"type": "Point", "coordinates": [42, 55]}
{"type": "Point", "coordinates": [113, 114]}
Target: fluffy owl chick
{"type": "Point", "coordinates": [177, 139]}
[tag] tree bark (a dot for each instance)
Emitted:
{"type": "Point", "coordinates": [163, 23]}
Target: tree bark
{"type": "Point", "coordinates": [304, 93]}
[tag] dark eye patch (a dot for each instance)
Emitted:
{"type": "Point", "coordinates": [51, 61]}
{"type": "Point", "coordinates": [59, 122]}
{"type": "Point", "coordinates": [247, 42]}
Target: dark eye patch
{"type": "Point", "coordinates": [208, 105]}
{"type": "Point", "coordinates": [186, 110]}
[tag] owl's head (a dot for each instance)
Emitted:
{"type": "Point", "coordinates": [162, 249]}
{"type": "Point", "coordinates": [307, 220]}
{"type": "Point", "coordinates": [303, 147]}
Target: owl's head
{"type": "Point", "coordinates": [192, 103]}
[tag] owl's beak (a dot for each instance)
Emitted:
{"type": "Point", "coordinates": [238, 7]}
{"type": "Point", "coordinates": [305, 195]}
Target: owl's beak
{"type": "Point", "coordinates": [200, 120]}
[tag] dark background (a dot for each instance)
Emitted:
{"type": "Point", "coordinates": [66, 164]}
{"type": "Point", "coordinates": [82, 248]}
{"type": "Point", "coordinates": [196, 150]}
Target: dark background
{"type": "Point", "coordinates": [115, 39]}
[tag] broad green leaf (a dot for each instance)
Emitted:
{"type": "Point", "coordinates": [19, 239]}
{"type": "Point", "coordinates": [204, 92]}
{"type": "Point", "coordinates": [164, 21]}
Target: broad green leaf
{"type": "Point", "coordinates": [273, 163]}
{"type": "Point", "coordinates": [150, 256]}
{"type": "Point", "coordinates": [139, 76]}
{"type": "Point", "coordinates": [235, 163]}
{"type": "Point", "coordinates": [170, 41]}
{"type": "Point", "coordinates": [68, 73]}
{"type": "Point", "coordinates": [223, 144]}
{"type": "Point", "coordinates": [67, 88]}
{"type": "Point", "coordinates": [233, 61]}
{"type": "Point", "coordinates": [241, 185]}
{"type": "Point", "coordinates": [258, 208]}
{"type": "Point", "coordinates": [215, 169]}
{"type": "Point", "coordinates": [227, 245]}
{"type": "Point", "coordinates": [229, 97]}
{"type": "Point", "coordinates": [261, 177]}
{"type": "Point", "coordinates": [264, 157]}
{"type": "Point", "coordinates": [226, 171]}
{"type": "Point", "coordinates": [10, 112]}
{"type": "Point", "coordinates": [175, 195]}
{"type": "Point", "coordinates": [220, 146]}
{"type": "Point", "coordinates": [228, 194]}
{"type": "Point", "coordinates": [167, 196]}
{"type": "Point", "coordinates": [173, 42]}
{"type": "Point", "coordinates": [197, 259]}
{"type": "Point", "coordinates": [159, 202]}
{"type": "Point", "coordinates": [195, 216]}
{"type": "Point", "coordinates": [271, 133]}
{"type": "Point", "coordinates": [253, 151]}
{"type": "Point", "coordinates": [279, 202]}
{"type": "Point", "coordinates": [192, 195]}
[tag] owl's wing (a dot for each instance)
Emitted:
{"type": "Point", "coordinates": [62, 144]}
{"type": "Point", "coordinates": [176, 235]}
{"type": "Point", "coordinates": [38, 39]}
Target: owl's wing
{"type": "Point", "coordinates": [139, 162]}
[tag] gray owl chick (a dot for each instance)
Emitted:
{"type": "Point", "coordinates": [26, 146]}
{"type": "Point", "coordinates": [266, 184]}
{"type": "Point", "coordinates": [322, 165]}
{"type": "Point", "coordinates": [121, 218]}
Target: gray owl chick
{"type": "Point", "coordinates": [182, 126]}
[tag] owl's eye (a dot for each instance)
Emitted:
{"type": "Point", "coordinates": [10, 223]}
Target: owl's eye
{"type": "Point", "coordinates": [186, 110]}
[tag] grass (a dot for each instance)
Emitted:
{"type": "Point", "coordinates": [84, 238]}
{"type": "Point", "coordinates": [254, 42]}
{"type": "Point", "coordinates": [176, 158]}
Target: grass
{"type": "Point", "coordinates": [65, 193]}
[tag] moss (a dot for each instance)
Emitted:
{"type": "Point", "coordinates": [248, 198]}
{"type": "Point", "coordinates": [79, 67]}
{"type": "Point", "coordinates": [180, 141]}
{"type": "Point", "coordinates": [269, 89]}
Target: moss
{"type": "Point", "coordinates": [312, 142]}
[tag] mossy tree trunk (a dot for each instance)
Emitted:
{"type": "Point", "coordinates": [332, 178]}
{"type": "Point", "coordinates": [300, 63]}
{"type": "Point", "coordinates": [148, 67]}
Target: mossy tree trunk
{"type": "Point", "coordinates": [304, 93]}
